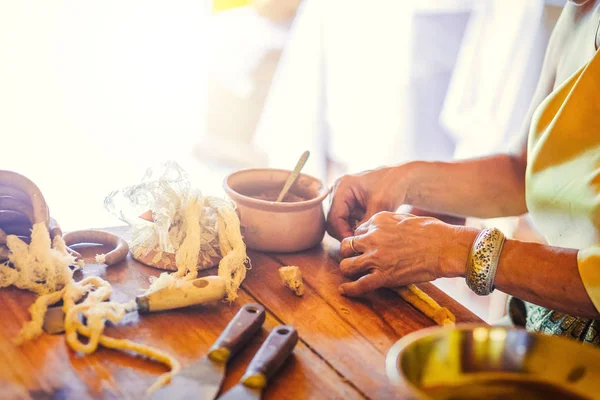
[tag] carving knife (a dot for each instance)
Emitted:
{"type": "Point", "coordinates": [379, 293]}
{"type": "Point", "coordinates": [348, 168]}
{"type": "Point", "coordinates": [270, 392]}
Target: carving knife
{"type": "Point", "coordinates": [202, 380]}
{"type": "Point", "coordinates": [270, 357]}
{"type": "Point", "coordinates": [194, 292]}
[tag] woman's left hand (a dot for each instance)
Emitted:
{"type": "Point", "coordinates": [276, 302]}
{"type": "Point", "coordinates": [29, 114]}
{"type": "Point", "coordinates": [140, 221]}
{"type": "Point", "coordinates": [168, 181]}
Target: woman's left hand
{"type": "Point", "coordinates": [401, 249]}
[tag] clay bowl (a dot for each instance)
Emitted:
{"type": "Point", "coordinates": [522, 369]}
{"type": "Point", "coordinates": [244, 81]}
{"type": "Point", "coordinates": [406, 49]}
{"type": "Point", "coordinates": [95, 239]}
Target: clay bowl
{"type": "Point", "coordinates": [293, 225]}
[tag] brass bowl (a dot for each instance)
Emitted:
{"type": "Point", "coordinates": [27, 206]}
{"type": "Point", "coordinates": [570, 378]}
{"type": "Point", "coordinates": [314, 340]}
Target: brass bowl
{"type": "Point", "coordinates": [477, 361]}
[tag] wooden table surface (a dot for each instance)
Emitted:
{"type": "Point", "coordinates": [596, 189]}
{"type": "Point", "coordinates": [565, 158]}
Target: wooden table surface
{"type": "Point", "coordinates": [340, 354]}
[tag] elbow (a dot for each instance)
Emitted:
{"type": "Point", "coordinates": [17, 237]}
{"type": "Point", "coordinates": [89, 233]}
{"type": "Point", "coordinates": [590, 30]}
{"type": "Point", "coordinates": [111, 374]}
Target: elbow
{"type": "Point", "coordinates": [517, 167]}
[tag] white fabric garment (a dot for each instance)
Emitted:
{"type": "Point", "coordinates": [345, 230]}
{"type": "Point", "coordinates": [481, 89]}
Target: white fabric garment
{"type": "Point", "coordinates": [343, 88]}
{"type": "Point", "coordinates": [496, 74]}
{"type": "Point", "coordinates": [489, 95]}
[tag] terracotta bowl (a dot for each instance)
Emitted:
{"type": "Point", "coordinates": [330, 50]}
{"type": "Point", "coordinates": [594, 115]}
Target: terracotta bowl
{"type": "Point", "coordinates": [278, 226]}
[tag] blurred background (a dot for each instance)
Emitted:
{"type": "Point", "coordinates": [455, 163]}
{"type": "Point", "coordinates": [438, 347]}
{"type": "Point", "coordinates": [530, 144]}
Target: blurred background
{"type": "Point", "coordinates": [93, 93]}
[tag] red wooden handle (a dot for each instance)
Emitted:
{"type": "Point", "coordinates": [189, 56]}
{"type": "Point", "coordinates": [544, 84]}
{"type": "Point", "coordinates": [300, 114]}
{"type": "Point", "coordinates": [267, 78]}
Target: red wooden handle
{"type": "Point", "coordinates": [270, 357]}
{"type": "Point", "coordinates": [240, 329]}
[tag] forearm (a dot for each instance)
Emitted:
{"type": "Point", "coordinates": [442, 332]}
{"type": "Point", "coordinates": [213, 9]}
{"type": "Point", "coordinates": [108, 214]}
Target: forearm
{"type": "Point", "coordinates": [487, 187]}
{"type": "Point", "coordinates": [544, 275]}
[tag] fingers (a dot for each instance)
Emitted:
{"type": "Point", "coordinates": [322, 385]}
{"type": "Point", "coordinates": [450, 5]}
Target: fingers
{"type": "Point", "coordinates": [373, 208]}
{"type": "Point", "coordinates": [338, 227]}
{"type": "Point", "coordinates": [344, 207]}
{"type": "Point", "coordinates": [346, 249]}
{"type": "Point", "coordinates": [358, 265]}
{"type": "Point", "coordinates": [363, 285]}
{"type": "Point", "coordinates": [338, 224]}
{"type": "Point", "coordinates": [362, 229]}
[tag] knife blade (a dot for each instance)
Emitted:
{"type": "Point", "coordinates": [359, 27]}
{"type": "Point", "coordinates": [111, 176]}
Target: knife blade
{"type": "Point", "coordinates": [202, 380]}
{"type": "Point", "coordinates": [270, 357]}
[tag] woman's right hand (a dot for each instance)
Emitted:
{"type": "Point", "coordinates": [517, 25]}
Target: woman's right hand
{"type": "Point", "coordinates": [356, 198]}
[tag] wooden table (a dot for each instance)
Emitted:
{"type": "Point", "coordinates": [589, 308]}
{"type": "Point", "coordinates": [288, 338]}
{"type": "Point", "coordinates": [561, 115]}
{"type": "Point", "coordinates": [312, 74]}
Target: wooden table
{"type": "Point", "coordinates": [340, 355]}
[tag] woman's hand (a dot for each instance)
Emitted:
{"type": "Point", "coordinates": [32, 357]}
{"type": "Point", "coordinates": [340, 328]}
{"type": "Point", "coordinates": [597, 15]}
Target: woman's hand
{"type": "Point", "coordinates": [356, 198]}
{"type": "Point", "coordinates": [401, 249]}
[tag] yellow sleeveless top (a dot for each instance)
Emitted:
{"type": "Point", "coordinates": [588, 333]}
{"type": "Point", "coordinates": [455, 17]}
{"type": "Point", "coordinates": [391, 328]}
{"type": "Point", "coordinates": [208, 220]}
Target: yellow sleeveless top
{"type": "Point", "coordinates": [563, 171]}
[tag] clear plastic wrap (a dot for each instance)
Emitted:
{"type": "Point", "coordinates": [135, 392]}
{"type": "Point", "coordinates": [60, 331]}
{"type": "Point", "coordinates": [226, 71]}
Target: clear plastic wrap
{"type": "Point", "coordinates": [165, 190]}
{"type": "Point", "coordinates": [187, 231]}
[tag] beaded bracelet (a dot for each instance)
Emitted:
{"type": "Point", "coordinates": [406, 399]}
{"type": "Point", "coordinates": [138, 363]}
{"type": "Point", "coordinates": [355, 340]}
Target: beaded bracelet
{"type": "Point", "coordinates": [483, 261]}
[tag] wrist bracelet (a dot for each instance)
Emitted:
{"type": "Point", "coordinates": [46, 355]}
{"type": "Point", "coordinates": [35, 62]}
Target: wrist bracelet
{"type": "Point", "coordinates": [483, 261]}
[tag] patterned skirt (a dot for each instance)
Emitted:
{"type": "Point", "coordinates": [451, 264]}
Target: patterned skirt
{"type": "Point", "coordinates": [539, 319]}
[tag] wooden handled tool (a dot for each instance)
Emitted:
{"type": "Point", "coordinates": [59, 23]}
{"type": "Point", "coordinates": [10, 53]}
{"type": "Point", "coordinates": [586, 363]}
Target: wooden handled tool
{"type": "Point", "coordinates": [187, 293]}
{"type": "Point", "coordinates": [270, 357]}
{"type": "Point", "coordinates": [202, 380]}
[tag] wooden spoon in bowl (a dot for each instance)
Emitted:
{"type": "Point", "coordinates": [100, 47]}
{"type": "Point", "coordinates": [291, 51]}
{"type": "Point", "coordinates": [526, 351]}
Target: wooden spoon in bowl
{"type": "Point", "coordinates": [292, 178]}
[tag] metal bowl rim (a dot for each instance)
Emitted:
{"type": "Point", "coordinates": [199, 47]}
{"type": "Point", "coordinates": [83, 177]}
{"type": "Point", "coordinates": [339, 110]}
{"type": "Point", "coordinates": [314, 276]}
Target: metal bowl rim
{"type": "Point", "coordinates": [395, 373]}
